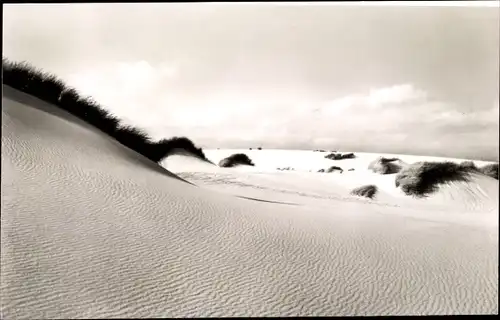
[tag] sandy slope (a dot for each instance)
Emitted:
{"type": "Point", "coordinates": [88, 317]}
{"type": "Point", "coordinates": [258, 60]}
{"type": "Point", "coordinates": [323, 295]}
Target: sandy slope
{"type": "Point", "coordinates": [91, 229]}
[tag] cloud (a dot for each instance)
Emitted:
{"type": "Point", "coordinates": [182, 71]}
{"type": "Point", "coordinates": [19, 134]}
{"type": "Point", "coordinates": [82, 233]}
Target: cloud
{"type": "Point", "coordinates": [391, 119]}
{"type": "Point", "coordinates": [400, 117]}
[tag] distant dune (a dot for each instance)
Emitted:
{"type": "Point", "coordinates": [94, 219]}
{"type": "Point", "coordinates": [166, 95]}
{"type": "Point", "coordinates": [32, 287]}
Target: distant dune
{"type": "Point", "coordinates": [93, 228]}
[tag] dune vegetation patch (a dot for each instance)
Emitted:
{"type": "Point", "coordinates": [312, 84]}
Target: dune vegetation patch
{"type": "Point", "coordinates": [469, 165]}
{"type": "Point", "coordinates": [24, 77]}
{"type": "Point", "coordinates": [491, 170]}
{"type": "Point", "coordinates": [236, 160]}
{"type": "Point", "coordinates": [385, 165]}
{"type": "Point", "coordinates": [367, 191]}
{"type": "Point", "coordinates": [169, 146]}
{"type": "Point", "coordinates": [421, 179]}
{"type": "Point", "coordinates": [334, 168]}
{"type": "Point", "coordinates": [340, 156]}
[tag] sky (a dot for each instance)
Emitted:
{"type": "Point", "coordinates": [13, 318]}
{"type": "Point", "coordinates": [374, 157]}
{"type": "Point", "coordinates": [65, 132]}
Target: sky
{"type": "Point", "coordinates": [395, 79]}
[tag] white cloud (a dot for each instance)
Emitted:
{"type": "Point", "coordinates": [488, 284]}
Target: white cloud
{"type": "Point", "coordinates": [399, 116]}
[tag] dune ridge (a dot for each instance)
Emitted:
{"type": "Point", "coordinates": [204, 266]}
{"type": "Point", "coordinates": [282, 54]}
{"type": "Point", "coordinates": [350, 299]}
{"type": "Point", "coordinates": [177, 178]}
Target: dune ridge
{"type": "Point", "coordinates": [48, 87]}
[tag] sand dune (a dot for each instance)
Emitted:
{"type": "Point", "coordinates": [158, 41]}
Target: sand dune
{"type": "Point", "coordinates": [91, 229]}
{"type": "Point", "coordinates": [481, 193]}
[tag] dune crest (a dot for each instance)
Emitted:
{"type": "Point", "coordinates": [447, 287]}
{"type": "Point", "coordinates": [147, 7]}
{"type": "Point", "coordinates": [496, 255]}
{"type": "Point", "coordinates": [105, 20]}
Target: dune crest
{"type": "Point", "coordinates": [49, 88]}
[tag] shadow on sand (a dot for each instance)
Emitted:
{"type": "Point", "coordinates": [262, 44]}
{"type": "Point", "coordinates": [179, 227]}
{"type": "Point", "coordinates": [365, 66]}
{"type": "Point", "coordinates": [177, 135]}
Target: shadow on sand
{"type": "Point", "coordinates": [269, 201]}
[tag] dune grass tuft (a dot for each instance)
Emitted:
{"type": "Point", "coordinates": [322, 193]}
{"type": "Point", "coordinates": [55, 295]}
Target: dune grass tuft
{"type": "Point", "coordinates": [384, 165]}
{"type": "Point", "coordinates": [490, 170]}
{"type": "Point", "coordinates": [24, 77]}
{"type": "Point", "coordinates": [469, 165]}
{"type": "Point", "coordinates": [235, 160]}
{"type": "Point", "coordinates": [367, 191]}
{"type": "Point", "coordinates": [334, 168]}
{"type": "Point", "coordinates": [166, 147]}
{"type": "Point", "coordinates": [424, 178]}
{"type": "Point", "coordinates": [339, 156]}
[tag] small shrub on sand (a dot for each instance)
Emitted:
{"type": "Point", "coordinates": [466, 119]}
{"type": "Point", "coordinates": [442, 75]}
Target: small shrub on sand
{"type": "Point", "coordinates": [333, 156]}
{"type": "Point", "coordinates": [468, 165]}
{"type": "Point", "coordinates": [321, 170]}
{"type": "Point", "coordinates": [490, 170]}
{"type": "Point", "coordinates": [367, 191]}
{"type": "Point", "coordinates": [259, 148]}
{"type": "Point", "coordinates": [423, 178]}
{"type": "Point", "coordinates": [235, 160]}
{"type": "Point", "coordinates": [334, 168]}
{"type": "Point", "coordinates": [33, 81]}
{"type": "Point", "coordinates": [338, 156]}
{"type": "Point", "coordinates": [166, 147]}
{"type": "Point", "coordinates": [385, 165]}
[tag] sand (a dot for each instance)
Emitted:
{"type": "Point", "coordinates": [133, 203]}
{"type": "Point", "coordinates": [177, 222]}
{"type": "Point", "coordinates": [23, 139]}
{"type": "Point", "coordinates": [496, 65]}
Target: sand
{"type": "Point", "coordinates": [90, 229]}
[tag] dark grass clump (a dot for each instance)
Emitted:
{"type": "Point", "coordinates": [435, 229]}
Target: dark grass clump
{"type": "Point", "coordinates": [339, 156]}
{"type": "Point", "coordinates": [384, 165]}
{"type": "Point", "coordinates": [334, 168]}
{"type": "Point", "coordinates": [33, 81]}
{"type": "Point", "coordinates": [26, 78]}
{"type": "Point", "coordinates": [490, 170]}
{"type": "Point", "coordinates": [321, 170]}
{"type": "Point", "coordinates": [165, 147]}
{"type": "Point", "coordinates": [424, 178]}
{"type": "Point", "coordinates": [469, 165]}
{"type": "Point", "coordinates": [259, 148]}
{"type": "Point", "coordinates": [367, 191]}
{"type": "Point", "coordinates": [236, 160]}
{"type": "Point", "coordinates": [92, 113]}
{"type": "Point", "coordinates": [334, 156]}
